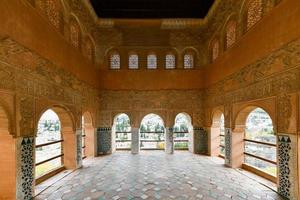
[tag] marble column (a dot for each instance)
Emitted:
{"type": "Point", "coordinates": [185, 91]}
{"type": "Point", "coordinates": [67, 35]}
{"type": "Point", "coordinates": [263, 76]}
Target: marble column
{"type": "Point", "coordinates": [135, 141]}
{"type": "Point", "coordinates": [169, 141]}
{"type": "Point", "coordinates": [78, 148]}
{"type": "Point", "coordinates": [25, 168]}
{"type": "Point", "coordinates": [104, 140]}
{"type": "Point", "coordinates": [228, 147]}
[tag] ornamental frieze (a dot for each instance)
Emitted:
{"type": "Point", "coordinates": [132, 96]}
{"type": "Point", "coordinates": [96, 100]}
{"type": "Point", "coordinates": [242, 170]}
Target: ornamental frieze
{"type": "Point", "coordinates": [26, 122]}
{"type": "Point", "coordinates": [7, 78]}
{"type": "Point", "coordinates": [277, 72]}
{"type": "Point", "coordinates": [141, 100]}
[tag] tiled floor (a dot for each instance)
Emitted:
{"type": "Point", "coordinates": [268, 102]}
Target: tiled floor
{"type": "Point", "coordinates": [156, 175]}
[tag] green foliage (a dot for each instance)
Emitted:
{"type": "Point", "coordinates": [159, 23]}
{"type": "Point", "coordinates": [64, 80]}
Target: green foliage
{"type": "Point", "coordinates": [181, 145]}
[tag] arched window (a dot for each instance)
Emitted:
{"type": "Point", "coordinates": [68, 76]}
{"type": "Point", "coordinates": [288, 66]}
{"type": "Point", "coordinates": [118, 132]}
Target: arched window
{"type": "Point", "coordinates": [52, 13]}
{"type": "Point", "coordinates": [260, 142]}
{"type": "Point", "coordinates": [188, 61]}
{"type": "Point", "coordinates": [254, 12]}
{"type": "Point", "coordinates": [215, 50]}
{"type": "Point", "coordinates": [151, 61]}
{"type": "Point", "coordinates": [133, 61]}
{"type": "Point", "coordinates": [152, 132]}
{"type": "Point", "coordinates": [230, 33]}
{"type": "Point", "coordinates": [48, 144]}
{"type": "Point", "coordinates": [74, 33]}
{"type": "Point", "coordinates": [170, 61]}
{"type": "Point", "coordinates": [122, 130]}
{"type": "Point", "coordinates": [115, 61]}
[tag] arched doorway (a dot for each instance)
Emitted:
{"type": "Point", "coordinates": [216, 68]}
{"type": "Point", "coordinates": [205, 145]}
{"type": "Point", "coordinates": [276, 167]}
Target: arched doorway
{"type": "Point", "coordinates": [55, 144]}
{"type": "Point", "coordinates": [260, 143]}
{"type": "Point", "coordinates": [183, 132]}
{"type": "Point", "coordinates": [152, 133]}
{"type": "Point", "coordinates": [88, 136]}
{"type": "Point", "coordinates": [122, 132]}
{"type": "Point", "coordinates": [217, 135]}
{"type": "Point", "coordinates": [7, 159]}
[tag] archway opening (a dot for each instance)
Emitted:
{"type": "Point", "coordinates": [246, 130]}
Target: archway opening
{"type": "Point", "coordinates": [48, 144]}
{"type": "Point", "coordinates": [217, 135]}
{"type": "Point", "coordinates": [122, 130]}
{"type": "Point", "coordinates": [183, 132]}
{"type": "Point", "coordinates": [55, 144]}
{"type": "Point", "coordinates": [7, 159]}
{"type": "Point", "coordinates": [88, 136]}
{"type": "Point", "coordinates": [260, 143]}
{"type": "Point", "coordinates": [152, 133]}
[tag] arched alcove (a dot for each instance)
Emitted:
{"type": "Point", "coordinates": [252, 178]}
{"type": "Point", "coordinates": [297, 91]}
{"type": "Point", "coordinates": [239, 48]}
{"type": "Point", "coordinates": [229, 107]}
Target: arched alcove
{"type": "Point", "coordinates": [7, 158]}
{"type": "Point", "coordinates": [217, 134]}
{"type": "Point", "coordinates": [121, 132]}
{"type": "Point", "coordinates": [88, 136]}
{"type": "Point", "coordinates": [152, 133]}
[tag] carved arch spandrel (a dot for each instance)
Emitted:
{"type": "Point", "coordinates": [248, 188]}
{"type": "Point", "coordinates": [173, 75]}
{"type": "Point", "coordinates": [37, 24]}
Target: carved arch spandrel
{"type": "Point", "coordinates": [160, 113]}
{"type": "Point", "coordinates": [171, 117]}
{"type": "Point", "coordinates": [286, 107]}
{"type": "Point", "coordinates": [241, 111]}
{"type": "Point", "coordinates": [130, 115]}
{"type": "Point", "coordinates": [66, 115]}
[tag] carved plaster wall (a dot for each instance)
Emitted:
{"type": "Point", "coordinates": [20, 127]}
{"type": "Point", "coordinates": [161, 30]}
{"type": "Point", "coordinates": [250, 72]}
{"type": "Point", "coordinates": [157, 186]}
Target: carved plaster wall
{"type": "Point", "coordinates": [38, 84]}
{"type": "Point", "coordinates": [137, 104]}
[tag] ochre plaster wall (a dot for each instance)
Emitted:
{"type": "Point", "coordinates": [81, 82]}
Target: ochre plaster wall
{"type": "Point", "coordinates": [278, 27]}
{"type": "Point", "coordinates": [27, 27]}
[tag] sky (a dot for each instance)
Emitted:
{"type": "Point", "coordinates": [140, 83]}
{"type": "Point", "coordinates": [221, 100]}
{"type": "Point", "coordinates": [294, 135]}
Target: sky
{"type": "Point", "coordinates": [49, 115]}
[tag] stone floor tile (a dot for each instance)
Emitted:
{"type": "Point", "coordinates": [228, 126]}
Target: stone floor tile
{"type": "Point", "coordinates": [156, 175]}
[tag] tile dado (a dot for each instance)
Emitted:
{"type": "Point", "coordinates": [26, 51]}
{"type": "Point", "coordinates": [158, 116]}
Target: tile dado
{"type": "Point", "coordinates": [228, 146]}
{"type": "Point", "coordinates": [25, 168]}
{"type": "Point", "coordinates": [287, 166]}
{"type": "Point", "coordinates": [104, 142]}
{"type": "Point", "coordinates": [200, 140]}
{"type": "Point", "coordinates": [79, 148]}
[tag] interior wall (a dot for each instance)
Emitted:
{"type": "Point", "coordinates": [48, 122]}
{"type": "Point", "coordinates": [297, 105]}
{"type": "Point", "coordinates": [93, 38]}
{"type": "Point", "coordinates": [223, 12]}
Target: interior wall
{"type": "Point", "coordinates": [26, 26]}
{"type": "Point", "coordinates": [8, 158]}
{"type": "Point", "coordinates": [276, 28]}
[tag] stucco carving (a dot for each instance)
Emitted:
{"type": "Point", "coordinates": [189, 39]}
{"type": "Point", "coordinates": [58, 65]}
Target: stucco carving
{"type": "Point", "coordinates": [144, 102]}
{"type": "Point", "coordinates": [35, 80]}
{"type": "Point", "coordinates": [26, 122]}
{"type": "Point", "coordinates": [261, 79]}
{"type": "Point", "coordinates": [284, 111]}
